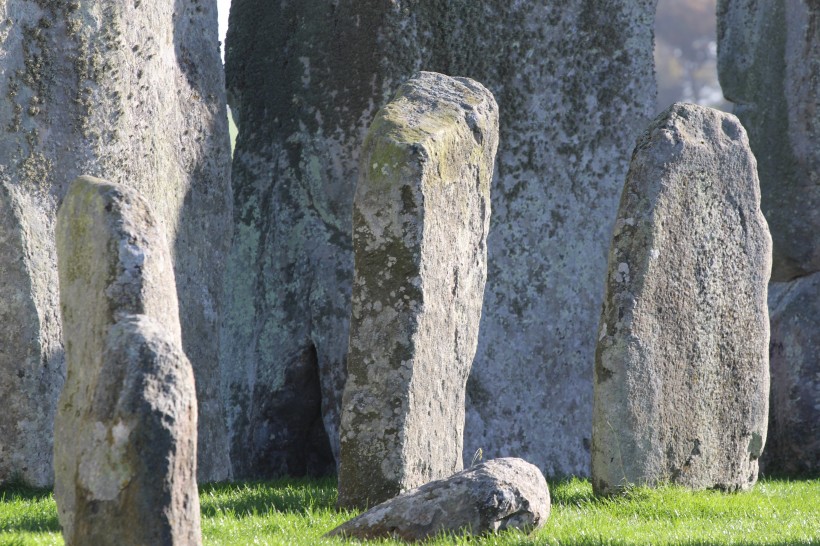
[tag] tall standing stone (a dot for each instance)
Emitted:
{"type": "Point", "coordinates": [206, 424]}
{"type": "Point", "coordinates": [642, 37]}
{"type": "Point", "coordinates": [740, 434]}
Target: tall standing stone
{"type": "Point", "coordinates": [575, 86]}
{"type": "Point", "coordinates": [769, 65]}
{"type": "Point", "coordinates": [132, 91]}
{"type": "Point", "coordinates": [681, 370]}
{"type": "Point", "coordinates": [420, 221]}
{"type": "Point", "coordinates": [793, 445]}
{"type": "Point", "coordinates": [125, 429]}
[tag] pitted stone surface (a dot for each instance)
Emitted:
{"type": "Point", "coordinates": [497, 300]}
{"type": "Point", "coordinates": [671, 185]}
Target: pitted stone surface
{"type": "Point", "coordinates": [793, 444]}
{"type": "Point", "coordinates": [132, 91]}
{"type": "Point", "coordinates": [681, 371]}
{"type": "Point", "coordinates": [125, 429]}
{"type": "Point", "coordinates": [420, 221]}
{"type": "Point", "coordinates": [500, 494]}
{"type": "Point", "coordinates": [575, 86]}
{"type": "Point", "coordinates": [769, 66]}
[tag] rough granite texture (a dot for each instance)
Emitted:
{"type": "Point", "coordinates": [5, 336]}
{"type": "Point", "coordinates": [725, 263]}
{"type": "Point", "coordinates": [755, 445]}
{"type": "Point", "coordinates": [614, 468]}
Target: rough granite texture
{"type": "Point", "coordinates": [129, 91]}
{"type": "Point", "coordinates": [682, 368]}
{"type": "Point", "coordinates": [494, 496]}
{"type": "Point", "coordinates": [575, 86]}
{"type": "Point", "coordinates": [769, 66]}
{"type": "Point", "coordinates": [420, 221]}
{"type": "Point", "coordinates": [125, 428]}
{"type": "Point", "coordinates": [793, 445]}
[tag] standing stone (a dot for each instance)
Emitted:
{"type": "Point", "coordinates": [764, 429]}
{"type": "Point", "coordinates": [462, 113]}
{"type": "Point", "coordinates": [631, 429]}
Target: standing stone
{"type": "Point", "coordinates": [125, 430]}
{"type": "Point", "coordinates": [500, 494]}
{"type": "Point", "coordinates": [575, 86]}
{"type": "Point", "coordinates": [769, 66]}
{"type": "Point", "coordinates": [420, 221]}
{"type": "Point", "coordinates": [681, 371]}
{"type": "Point", "coordinates": [793, 445]}
{"type": "Point", "coordinates": [133, 91]}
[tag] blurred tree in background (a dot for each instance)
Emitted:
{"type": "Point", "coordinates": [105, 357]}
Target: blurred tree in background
{"type": "Point", "coordinates": [686, 54]}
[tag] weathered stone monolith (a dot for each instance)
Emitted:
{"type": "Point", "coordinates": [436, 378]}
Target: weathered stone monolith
{"type": "Point", "coordinates": [681, 371]}
{"type": "Point", "coordinates": [420, 221]}
{"type": "Point", "coordinates": [125, 429]}
{"type": "Point", "coordinates": [133, 91]}
{"type": "Point", "coordinates": [769, 66]}
{"type": "Point", "coordinates": [793, 444]}
{"type": "Point", "coordinates": [500, 494]}
{"type": "Point", "coordinates": [575, 86]}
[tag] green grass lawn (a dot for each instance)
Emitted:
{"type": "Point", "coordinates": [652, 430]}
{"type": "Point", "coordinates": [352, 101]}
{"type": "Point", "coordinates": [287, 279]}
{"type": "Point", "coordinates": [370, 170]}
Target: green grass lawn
{"type": "Point", "coordinates": [298, 512]}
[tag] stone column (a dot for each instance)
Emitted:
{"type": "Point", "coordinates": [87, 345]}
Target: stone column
{"type": "Point", "coordinates": [420, 221]}
{"type": "Point", "coordinates": [129, 91]}
{"type": "Point", "coordinates": [769, 66]}
{"type": "Point", "coordinates": [125, 439]}
{"type": "Point", "coordinates": [682, 368]}
{"type": "Point", "coordinates": [575, 86]}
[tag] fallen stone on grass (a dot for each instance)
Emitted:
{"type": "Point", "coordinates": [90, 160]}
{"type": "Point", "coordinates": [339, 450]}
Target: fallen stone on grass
{"type": "Point", "coordinates": [499, 494]}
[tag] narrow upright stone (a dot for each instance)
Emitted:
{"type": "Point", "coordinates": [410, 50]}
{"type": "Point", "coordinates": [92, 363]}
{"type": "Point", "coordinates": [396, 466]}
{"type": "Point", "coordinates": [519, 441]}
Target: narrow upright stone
{"type": "Point", "coordinates": [420, 221]}
{"type": "Point", "coordinates": [769, 66]}
{"type": "Point", "coordinates": [793, 447]}
{"type": "Point", "coordinates": [681, 370]}
{"type": "Point", "coordinates": [125, 430]}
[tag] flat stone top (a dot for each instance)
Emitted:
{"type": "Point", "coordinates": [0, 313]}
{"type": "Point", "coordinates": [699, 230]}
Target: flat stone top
{"type": "Point", "coordinates": [428, 103]}
{"type": "Point", "coordinates": [428, 115]}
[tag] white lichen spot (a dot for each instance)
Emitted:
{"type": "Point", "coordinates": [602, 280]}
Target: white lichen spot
{"type": "Point", "coordinates": [305, 71]}
{"type": "Point", "coordinates": [623, 273]}
{"type": "Point", "coordinates": [120, 433]}
{"type": "Point", "coordinates": [654, 253]}
{"type": "Point", "coordinates": [621, 222]}
{"type": "Point", "coordinates": [104, 469]}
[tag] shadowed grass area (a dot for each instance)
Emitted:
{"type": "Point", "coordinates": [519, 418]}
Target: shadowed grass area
{"type": "Point", "coordinates": [299, 511]}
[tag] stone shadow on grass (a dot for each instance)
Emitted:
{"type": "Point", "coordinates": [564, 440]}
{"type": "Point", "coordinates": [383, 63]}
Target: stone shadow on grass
{"type": "Point", "coordinates": [291, 495]}
{"type": "Point", "coordinates": [42, 522]}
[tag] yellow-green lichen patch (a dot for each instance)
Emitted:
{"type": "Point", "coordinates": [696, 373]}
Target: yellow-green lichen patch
{"type": "Point", "coordinates": [402, 130]}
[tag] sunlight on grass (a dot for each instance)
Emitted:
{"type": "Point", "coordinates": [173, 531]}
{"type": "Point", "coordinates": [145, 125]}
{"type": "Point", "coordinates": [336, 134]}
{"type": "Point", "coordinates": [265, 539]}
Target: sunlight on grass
{"type": "Point", "coordinates": [298, 512]}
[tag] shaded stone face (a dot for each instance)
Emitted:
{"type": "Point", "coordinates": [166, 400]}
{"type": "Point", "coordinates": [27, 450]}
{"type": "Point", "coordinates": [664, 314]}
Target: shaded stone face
{"type": "Point", "coordinates": [133, 92]}
{"type": "Point", "coordinates": [769, 65]}
{"type": "Point", "coordinates": [31, 360]}
{"type": "Point", "coordinates": [420, 221]}
{"type": "Point", "coordinates": [681, 370]}
{"type": "Point", "coordinates": [575, 87]}
{"type": "Point", "coordinates": [125, 429]}
{"type": "Point", "coordinates": [793, 445]}
{"type": "Point", "coordinates": [494, 496]}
